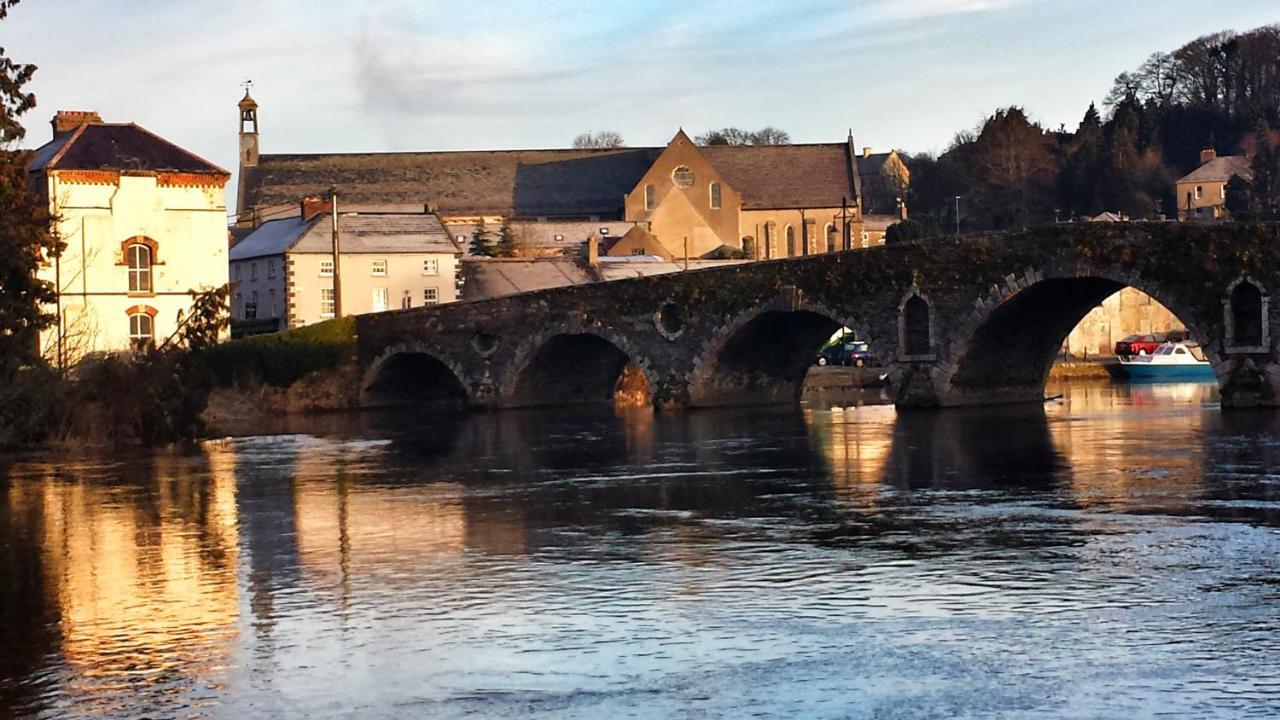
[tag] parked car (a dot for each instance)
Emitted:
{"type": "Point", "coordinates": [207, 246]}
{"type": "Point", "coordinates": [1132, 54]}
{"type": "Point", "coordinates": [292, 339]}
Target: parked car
{"type": "Point", "coordinates": [854, 353]}
{"type": "Point", "coordinates": [1147, 344]}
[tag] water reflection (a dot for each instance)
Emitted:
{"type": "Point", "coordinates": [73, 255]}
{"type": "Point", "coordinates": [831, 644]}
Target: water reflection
{"type": "Point", "coordinates": [571, 564]}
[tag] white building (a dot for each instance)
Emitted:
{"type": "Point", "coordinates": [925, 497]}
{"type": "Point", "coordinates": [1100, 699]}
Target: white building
{"type": "Point", "coordinates": [283, 273]}
{"type": "Point", "coordinates": [145, 227]}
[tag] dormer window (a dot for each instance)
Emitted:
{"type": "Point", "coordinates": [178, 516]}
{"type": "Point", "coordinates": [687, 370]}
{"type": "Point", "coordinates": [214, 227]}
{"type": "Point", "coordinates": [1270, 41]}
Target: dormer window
{"type": "Point", "coordinates": [682, 176]}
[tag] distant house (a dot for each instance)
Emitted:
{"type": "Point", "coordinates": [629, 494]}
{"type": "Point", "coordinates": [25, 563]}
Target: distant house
{"type": "Point", "coordinates": [790, 200]}
{"type": "Point", "coordinates": [1202, 193]}
{"type": "Point", "coordinates": [144, 224]}
{"type": "Point", "coordinates": [283, 272]}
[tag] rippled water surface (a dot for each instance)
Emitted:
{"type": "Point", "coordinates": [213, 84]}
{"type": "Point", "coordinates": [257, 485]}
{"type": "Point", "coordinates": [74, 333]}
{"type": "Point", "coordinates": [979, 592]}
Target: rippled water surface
{"type": "Point", "coordinates": [1112, 555]}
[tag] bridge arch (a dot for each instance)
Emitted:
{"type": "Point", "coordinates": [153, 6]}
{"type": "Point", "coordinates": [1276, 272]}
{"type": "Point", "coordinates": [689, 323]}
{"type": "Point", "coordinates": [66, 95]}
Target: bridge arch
{"type": "Point", "coordinates": [570, 364]}
{"type": "Point", "coordinates": [1004, 348]}
{"type": "Point", "coordinates": [413, 375]}
{"type": "Point", "coordinates": [763, 354]}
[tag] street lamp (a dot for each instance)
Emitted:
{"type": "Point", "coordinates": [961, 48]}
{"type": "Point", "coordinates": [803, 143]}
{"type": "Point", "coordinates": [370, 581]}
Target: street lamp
{"type": "Point", "coordinates": [957, 214]}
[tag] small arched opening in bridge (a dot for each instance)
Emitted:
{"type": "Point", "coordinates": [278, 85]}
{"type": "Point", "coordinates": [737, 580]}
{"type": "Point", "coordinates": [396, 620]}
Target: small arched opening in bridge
{"type": "Point", "coordinates": [768, 358]}
{"type": "Point", "coordinates": [580, 368]}
{"type": "Point", "coordinates": [414, 379]}
{"type": "Point", "coordinates": [1011, 351]}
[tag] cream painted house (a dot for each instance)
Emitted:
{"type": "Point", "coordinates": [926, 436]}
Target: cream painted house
{"type": "Point", "coordinates": [1202, 193]}
{"type": "Point", "coordinates": [283, 273]}
{"type": "Point", "coordinates": [144, 223]}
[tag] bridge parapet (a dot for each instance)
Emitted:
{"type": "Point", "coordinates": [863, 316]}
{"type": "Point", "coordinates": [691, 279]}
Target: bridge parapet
{"type": "Point", "coordinates": [963, 321]}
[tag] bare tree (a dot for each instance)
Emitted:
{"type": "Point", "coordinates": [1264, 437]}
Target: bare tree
{"type": "Point", "coordinates": [602, 140]}
{"type": "Point", "coordinates": [735, 136]}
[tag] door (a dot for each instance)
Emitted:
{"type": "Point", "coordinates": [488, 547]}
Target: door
{"type": "Point", "coordinates": [379, 299]}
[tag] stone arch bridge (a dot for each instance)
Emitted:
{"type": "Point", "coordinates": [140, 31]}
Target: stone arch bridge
{"type": "Point", "coordinates": [957, 321]}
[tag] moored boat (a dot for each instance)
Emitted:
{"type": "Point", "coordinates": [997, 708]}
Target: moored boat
{"type": "Point", "coordinates": [1171, 362]}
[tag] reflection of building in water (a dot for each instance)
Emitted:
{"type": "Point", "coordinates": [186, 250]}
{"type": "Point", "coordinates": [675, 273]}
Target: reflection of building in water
{"type": "Point", "coordinates": [855, 442]}
{"type": "Point", "coordinates": [1132, 445]}
{"type": "Point", "coordinates": [141, 562]}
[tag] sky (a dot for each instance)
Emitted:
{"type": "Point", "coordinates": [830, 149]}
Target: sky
{"type": "Point", "coordinates": [386, 75]}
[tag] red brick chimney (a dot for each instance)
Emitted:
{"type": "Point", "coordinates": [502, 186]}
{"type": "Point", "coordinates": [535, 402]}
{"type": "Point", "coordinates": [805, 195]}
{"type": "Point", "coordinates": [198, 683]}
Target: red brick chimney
{"type": "Point", "coordinates": [68, 120]}
{"type": "Point", "coordinates": [1207, 154]}
{"type": "Point", "coordinates": [313, 205]}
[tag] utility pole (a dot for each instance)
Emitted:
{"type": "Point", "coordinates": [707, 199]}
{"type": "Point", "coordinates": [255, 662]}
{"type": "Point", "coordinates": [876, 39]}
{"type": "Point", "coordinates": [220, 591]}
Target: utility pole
{"type": "Point", "coordinates": [686, 252]}
{"type": "Point", "coordinates": [337, 256]}
{"type": "Point", "coordinates": [957, 215]}
{"type": "Point", "coordinates": [846, 239]}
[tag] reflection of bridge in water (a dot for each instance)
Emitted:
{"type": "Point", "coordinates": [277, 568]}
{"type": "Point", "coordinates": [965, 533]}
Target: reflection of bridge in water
{"type": "Point", "coordinates": [966, 321]}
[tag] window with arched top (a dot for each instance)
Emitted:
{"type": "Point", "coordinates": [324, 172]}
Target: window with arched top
{"type": "Point", "coordinates": [141, 327]}
{"type": "Point", "coordinates": [915, 327]}
{"type": "Point", "coordinates": [1245, 311]}
{"type": "Point", "coordinates": [714, 192]}
{"type": "Point", "coordinates": [648, 197]}
{"type": "Point", "coordinates": [829, 232]}
{"type": "Point", "coordinates": [790, 233]}
{"type": "Point", "coordinates": [139, 259]}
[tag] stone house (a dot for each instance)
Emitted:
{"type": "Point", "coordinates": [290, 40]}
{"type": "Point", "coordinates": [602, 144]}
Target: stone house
{"type": "Point", "coordinates": [787, 199]}
{"type": "Point", "coordinates": [144, 224]}
{"type": "Point", "coordinates": [283, 273]}
{"type": "Point", "coordinates": [1202, 193]}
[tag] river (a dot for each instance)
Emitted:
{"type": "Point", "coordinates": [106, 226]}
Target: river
{"type": "Point", "coordinates": [1113, 554]}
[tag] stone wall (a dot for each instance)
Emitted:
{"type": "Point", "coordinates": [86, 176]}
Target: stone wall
{"type": "Point", "coordinates": [1128, 312]}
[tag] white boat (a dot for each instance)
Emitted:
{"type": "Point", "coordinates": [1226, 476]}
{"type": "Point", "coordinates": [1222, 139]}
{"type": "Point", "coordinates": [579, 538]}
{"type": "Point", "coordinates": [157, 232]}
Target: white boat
{"type": "Point", "coordinates": [1171, 362]}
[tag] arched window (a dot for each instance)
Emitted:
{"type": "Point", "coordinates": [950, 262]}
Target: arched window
{"type": "Point", "coordinates": [915, 328]}
{"type": "Point", "coordinates": [714, 192]}
{"type": "Point", "coordinates": [790, 232]}
{"type": "Point", "coordinates": [648, 197]}
{"type": "Point", "coordinates": [138, 257]}
{"type": "Point", "coordinates": [829, 232]}
{"type": "Point", "coordinates": [1246, 310]}
{"type": "Point", "coordinates": [141, 328]}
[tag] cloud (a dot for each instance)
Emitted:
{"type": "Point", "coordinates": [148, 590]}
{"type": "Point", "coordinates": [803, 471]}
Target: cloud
{"type": "Point", "coordinates": [907, 10]}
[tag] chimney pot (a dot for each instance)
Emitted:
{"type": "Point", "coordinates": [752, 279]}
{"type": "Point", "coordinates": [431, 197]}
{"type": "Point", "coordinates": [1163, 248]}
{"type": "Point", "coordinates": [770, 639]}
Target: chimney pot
{"type": "Point", "coordinates": [1207, 154]}
{"type": "Point", "coordinates": [66, 121]}
{"type": "Point", "coordinates": [866, 151]}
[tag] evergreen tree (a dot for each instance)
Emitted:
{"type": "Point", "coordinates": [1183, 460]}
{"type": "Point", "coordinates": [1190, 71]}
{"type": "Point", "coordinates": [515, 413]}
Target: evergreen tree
{"type": "Point", "coordinates": [26, 238]}
{"type": "Point", "coordinates": [507, 245]}
{"type": "Point", "coordinates": [482, 242]}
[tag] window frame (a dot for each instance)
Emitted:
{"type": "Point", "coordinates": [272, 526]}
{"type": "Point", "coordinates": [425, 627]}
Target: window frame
{"type": "Point", "coordinates": [328, 299]}
{"type": "Point", "coordinates": [375, 264]}
{"type": "Point", "coordinates": [140, 280]}
{"type": "Point", "coordinates": [430, 296]}
{"type": "Point", "coordinates": [326, 272]}
{"type": "Point", "coordinates": [137, 339]}
{"type": "Point", "coordinates": [434, 265]}
{"type": "Point", "coordinates": [715, 197]}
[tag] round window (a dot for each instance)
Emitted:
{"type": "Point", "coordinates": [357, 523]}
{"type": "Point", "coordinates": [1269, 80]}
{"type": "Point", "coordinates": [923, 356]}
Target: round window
{"type": "Point", "coordinates": [682, 176]}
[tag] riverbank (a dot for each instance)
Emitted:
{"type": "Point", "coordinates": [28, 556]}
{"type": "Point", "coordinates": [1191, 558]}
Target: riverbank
{"type": "Point", "coordinates": [1101, 369]}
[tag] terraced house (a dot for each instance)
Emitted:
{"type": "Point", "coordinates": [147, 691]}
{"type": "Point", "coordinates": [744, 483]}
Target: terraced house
{"type": "Point", "coordinates": [144, 224]}
{"type": "Point", "coordinates": [764, 201]}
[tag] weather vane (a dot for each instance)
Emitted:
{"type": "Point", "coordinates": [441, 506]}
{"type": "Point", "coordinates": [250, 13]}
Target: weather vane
{"type": "Point", "coordinates": [247, 84]}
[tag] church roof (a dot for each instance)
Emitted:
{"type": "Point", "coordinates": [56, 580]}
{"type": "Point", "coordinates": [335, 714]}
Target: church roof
{"type": "Point", "coordinates": [118, 147]}
{"type": "Point", "coordinates": [784, 176]}
{"type": "Point", "coordinates": [513, 183]}
{"type": "Point", "coordinates": [550, 183]}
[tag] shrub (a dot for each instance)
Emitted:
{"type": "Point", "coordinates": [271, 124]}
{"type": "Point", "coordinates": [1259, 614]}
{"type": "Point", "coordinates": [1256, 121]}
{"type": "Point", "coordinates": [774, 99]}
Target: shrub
{"type": "Point", "coordinates": [280, 359]}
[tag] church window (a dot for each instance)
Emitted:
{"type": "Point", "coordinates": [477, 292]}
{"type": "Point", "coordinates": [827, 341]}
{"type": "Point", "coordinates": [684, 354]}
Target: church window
{"type": "Point", "coordinates": [648, 197]}
{"type": "Point", "coordinates": [682, 176]}
{"type": "Point", "coordinates": [715, 195]}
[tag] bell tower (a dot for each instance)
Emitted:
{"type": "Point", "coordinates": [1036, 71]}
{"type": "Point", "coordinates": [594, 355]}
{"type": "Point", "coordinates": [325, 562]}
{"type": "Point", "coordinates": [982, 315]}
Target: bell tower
{"type": "Point", "coordinates": [248, 153]}
{"type": "Point", "coordinates": [248, 130]}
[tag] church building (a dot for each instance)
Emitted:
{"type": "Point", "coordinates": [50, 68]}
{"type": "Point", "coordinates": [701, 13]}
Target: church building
{"type": "Point", "coordinates": [759, 202]}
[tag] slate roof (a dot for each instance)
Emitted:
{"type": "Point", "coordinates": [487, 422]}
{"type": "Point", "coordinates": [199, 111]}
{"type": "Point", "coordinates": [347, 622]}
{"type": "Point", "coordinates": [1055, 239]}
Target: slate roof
{"type": "Point", "coordinates": [784, 176]}
{"type": "Point", "coordinates": [514, 183]}
{"type": "Point", "coordinates": [1220, 169]}
{"type": "Point", "coordinates": [360, 234]}
{"type": "Point", "coordinates": [118, 147]}
{"type": "Point", "coordinates": [551, 183]}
